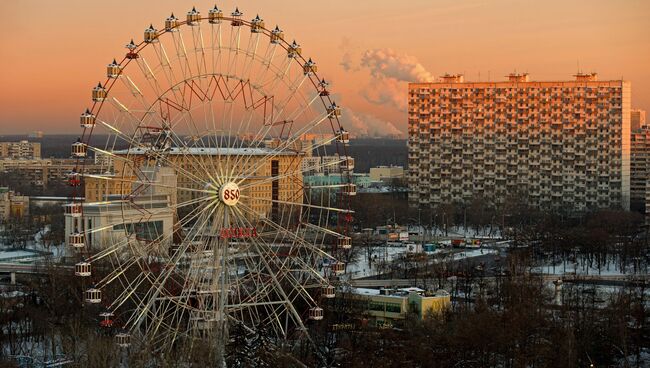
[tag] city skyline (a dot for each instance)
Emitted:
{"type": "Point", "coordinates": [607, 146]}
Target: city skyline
{"type": "Point", "coordinates": [368, 52]}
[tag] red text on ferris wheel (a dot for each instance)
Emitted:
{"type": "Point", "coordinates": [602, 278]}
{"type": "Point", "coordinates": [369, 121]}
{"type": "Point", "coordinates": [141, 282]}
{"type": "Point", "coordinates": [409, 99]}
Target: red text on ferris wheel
{"type": "Point", "coordinates": [238, 232]}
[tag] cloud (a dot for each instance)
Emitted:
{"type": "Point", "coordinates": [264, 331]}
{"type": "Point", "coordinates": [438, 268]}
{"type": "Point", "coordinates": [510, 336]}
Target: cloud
{"type": "Point", "coordinates": [386, 91]}
{"type": "Point", "coordinates": [386, 63]}
{"type": "Point", "coordinates": [369, 125]}
{"type": "Point", "coordinates": [348, 60]}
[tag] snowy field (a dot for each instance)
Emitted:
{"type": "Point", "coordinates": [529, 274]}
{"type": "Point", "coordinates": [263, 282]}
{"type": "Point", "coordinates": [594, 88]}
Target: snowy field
{"type": "Point", "coordinates": [361, 268]}
{"type": "Point", "coordinates": [610, 268]}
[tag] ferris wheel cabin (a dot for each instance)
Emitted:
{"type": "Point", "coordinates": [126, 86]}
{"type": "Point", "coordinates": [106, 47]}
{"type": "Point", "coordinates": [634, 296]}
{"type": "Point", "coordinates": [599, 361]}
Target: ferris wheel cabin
{"type": "Point", "coordinates": [87, 120]}
{"type": "Point", "coordinates": [277, 35]}
{"type": "Point", "coordinates": [150, 34]}
{"type": "Point", "coordinates": [79, 149]}
{"type": "Point", "coordinates": [294, 50]}
{"type": "Point", "coordinates": [349, 189]}
{"type": "Point", "coordinates": [193, 17]}
{"type": "Point", "coordinates": [343, 136]}
{"type": "Point", "coordinates": [113, 70]}
{"type": "Point", "coordinates": [74, 178]}
{"type": "Point", "coordinates": [257, 24]}
{"type": "Point", "coordinates": [322, 88]}
{"type": "Point", "coordinates": [215, 16]}
{"type": "Point", "coordinates": [236, 18]}
{"type": "Point", "coordinates": [338, 268]}
{"type": "Point", "coordinates": [333, 110]}
{"type": "Point", "coordinates": [328, 291]}
{"type": "Point", "coordinates": [316, 314]}
{"type": "Point", "coordinates": [171, 23]}
{"type": "Point", "coordinates": [99, 93]}
{"type": "Point", "coordinates": [123, 340]}
{"type": "Point", "coordinates": [82, 269]}
{"type": "Point", "coordinates": [131, 46]}
{"type": "Point", "coordinates": [93, 296]}
{"type": "Point", "coordinates": [73, 209]}
{"type": "Point", "coordinates": [309, 68]}
{"type": "Point", "coordinates": [344, 242]}
{"type": "Point", "coordinates": [77, 240]}
{"type": "Point", "coordinates": [347, 163]}
{"type": "Point", "coordinates": [107, 319]}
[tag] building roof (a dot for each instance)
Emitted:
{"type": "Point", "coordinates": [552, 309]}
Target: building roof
{"type": "Point", "coordinates": [212, 151]}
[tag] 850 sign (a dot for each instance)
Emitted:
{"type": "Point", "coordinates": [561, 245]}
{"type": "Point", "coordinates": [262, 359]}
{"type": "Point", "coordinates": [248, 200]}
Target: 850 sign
{"type": "Point", "coordinates": [229, 194]}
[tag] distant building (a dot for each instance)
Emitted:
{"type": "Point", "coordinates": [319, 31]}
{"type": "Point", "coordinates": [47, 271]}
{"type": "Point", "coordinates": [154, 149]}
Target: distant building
{"type": "Point", "coordinates": [637, 119]}
{"type": "Point", "coordinates": [361, 180]}
{"type": "Point", "coordinates": [20, 150]}
{"type": "Point", "coordinates": [45, 172]}
{"type": "Point", "coordinates": [386, 173]}
{"type": "Point", "coordinates": [36, 134]}
{"type": "Point", "coordinates": [561, 144]}
{"type": "Point", "coordinates": [12, 205]}
{"type": "Point", "coordinates": [386, 307]}
{"type": "Point", "coordinates": [326, 165]}
{"type": "Point", "coordinates": [640, 169]}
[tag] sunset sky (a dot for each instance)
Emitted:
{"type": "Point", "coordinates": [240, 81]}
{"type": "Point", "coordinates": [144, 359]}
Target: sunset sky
{"type": "Point", "coordinates": [54, 52]}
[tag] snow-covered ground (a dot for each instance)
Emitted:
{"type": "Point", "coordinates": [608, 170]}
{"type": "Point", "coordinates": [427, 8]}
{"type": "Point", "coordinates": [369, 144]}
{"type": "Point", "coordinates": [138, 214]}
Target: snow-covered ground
{"type": "Point", "coordinates": [361, 268]}
{"type": "Point", "coordinates": [610, 268]}
{"type": "Point", "coordinates": [32, 248]}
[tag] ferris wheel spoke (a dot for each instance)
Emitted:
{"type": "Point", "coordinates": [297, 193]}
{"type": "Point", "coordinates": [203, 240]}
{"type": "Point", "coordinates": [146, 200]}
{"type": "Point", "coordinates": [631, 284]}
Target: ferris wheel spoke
{"type": "Point", "coordinates": [121, 268]}
{"type": "Point", "coordinates": [251, 55]}
{"type": "Point", "coordinates": [128, 292]}
{"type": "Point", "coordinates": [181, 53]}
{"type": "Point", "coordinates": [262, 131]}
{"type": "Point", "coordinates": [216, 43]}
{"type": "Point", "coordinates": [289, 173]}
{"type": "Point", "coordinates": [262, 246]}
{"type": "Point", "coordinates": [152, 183]}
{"type": "Point", "coordinates": [157, 155]}
{"type": "Point", "coordinates": [196, 162]}
{"type": "Point", "coordinates": [244, 221]}
{"type": "Point", "coordinates": [281, 229]}
{"type": "Point", "coordinates": [292, 139]}
{"type": "Point", "coordinates": [153, 292]}
{"type": "Point", "coordinates": [197, 38]}
{"type": "Point", "coordinates": [149, 75]}
{"type": "Point", "coordinates": [164, 62]}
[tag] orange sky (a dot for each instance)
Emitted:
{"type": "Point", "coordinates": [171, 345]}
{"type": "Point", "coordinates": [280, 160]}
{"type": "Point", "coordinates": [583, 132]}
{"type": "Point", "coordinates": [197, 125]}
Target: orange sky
{"type": "Point", "coordinates": [53, 52]}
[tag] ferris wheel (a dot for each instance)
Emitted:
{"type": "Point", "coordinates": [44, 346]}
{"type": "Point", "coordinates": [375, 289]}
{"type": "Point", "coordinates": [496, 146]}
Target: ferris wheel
{"type": "Point", "coordinates": [197, 215]}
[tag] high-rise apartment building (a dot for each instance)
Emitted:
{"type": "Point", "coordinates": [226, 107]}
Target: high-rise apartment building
{"type": "Point", "coordinates": [20, 150]}
{"type": "Point", "coordinates": [637, 119]}
{"type": "Point", "coordinates": [558, 144]}
{"type": "Point", "coordinates": [640, 169]}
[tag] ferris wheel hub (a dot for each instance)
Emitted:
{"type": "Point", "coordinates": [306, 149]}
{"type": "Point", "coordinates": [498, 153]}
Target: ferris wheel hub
{"type": "Point", "coordinates": [229, 193]}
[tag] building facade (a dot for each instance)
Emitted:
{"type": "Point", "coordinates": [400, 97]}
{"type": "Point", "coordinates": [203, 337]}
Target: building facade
{"type": "Point", "coordinates": [385, 173]}
{"type": "Point", "coordinates": [45, 172]}
{"type": "Point", "coordinates": [20, 150]}
{"type": "Point", "coordinates": [390, 307]}
{"type": "Point", "coordinates": [637, 119]}
{"type": "Point", "coordinates": [640, 169]}
{"type": "Point", "coordinates": [560, 145]}
{"type": "Point", "coordinates": [12, 204]}
{"type": "Point", "coordinates": [264, 198]}
{"type": "Point", "coordinates": [107, 217]}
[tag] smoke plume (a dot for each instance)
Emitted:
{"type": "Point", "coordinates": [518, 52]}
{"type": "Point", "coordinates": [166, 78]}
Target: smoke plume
{"type": "Point", "coordinates": [369, 125]}
{"type": "Point", "coordinates": [389, 64]}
